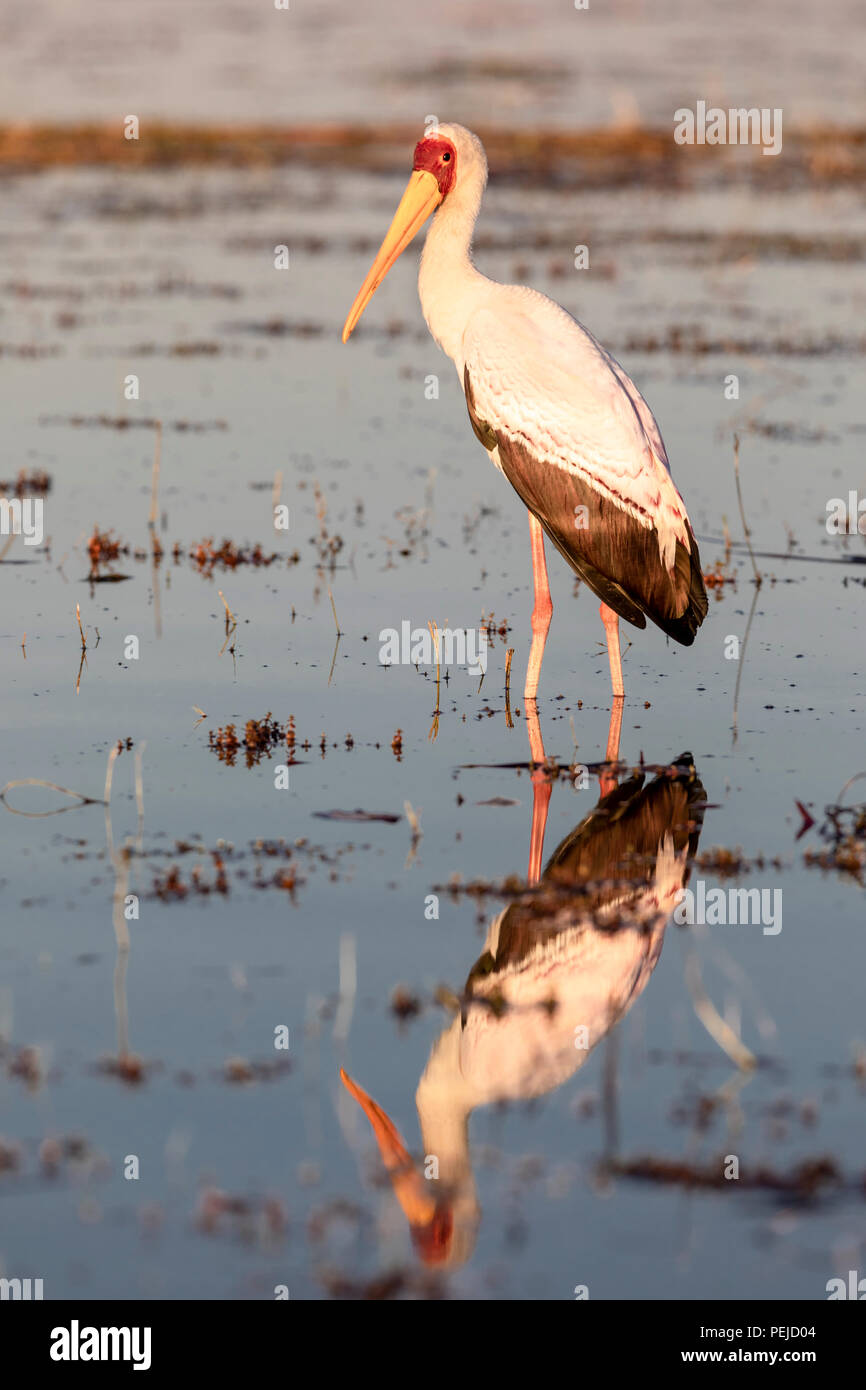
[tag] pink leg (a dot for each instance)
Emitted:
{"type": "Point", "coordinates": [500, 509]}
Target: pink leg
{"type": "Point", "coordinates": [541, 789]}
{"type": "Point", "coordinates": [611, 630]}
{"type": "Point", "coordinates": [541, 613]}
{"type": "Point", "coordinates": [607, 781]}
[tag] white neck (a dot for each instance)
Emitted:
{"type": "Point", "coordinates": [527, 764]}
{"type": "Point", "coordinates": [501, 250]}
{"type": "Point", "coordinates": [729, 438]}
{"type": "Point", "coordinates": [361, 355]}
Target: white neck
{"type": "Point", "coordinates": [445, 1102]}
{"type": "Point", "coordinates": [449, 285]}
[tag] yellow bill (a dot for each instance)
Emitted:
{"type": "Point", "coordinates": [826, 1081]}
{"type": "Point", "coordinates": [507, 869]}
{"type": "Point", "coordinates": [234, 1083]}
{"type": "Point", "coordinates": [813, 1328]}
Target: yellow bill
{"type": "Point", "coordinates": [422, 197]}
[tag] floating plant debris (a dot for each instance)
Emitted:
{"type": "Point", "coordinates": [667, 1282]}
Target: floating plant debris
{"type": "Point", "coordinates": [732, 863]}
{"type": "Point", "coordinates": [239, 1071]}
{"type": "Point", "coordinates": [811, 1178]}
{"type": "Point", "coordinates": [258, 740]}
{"type": "Point", "coordinates": [172, 886]}
{"type": "Point", "coordinates": [720, 575]}
{"type": "Point", "coordinates": [844, 830]}
{"type": "Point", "coordinates": [208, 557]}
{"type": "Point", "coordinates": [127, 1068]}
{"type": "Point", "coordinates": [104, 550]}
{"type": "Point", "coordinates": [132, 422]}
{"type": "Point", "coordinates": [405, 1004]}
{"type": "Point", "coordinates": [27, 483]}
{"type": "Point", "coordinates": [254, 1220]}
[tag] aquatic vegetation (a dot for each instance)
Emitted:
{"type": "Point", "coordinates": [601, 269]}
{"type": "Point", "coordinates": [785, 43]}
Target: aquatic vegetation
{"type": "Point", "coordinates": [27, 483]}
{"type": "Point", "coordinates": [207, 557]}
{"type": "Point", "coordinates": [104, 549]}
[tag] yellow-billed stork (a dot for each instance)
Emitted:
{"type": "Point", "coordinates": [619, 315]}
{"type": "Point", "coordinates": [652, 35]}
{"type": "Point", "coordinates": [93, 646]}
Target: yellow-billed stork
{"type": "Point", "coordinates": [558, 415]}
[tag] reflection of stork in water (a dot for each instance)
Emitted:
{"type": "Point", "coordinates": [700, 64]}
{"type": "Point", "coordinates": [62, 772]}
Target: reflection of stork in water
{"type": "Point", "coordinates": [573, 955]}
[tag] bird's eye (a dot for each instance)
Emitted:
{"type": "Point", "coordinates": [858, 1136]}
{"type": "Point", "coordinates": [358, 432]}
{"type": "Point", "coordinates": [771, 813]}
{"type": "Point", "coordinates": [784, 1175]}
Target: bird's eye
{"type": "Point", "coordinates": [445, 158]}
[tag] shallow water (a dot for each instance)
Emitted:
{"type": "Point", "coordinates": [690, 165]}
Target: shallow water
{"type": "Point", "coordinates": [312, 922]}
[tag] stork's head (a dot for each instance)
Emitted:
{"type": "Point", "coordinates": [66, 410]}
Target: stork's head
{"type": "Point", "coordinates": [454, 156]}
{"type": "Point", "coordinates": [431, 1217]}
{"type": "Point", "coordinates": [449, 163]}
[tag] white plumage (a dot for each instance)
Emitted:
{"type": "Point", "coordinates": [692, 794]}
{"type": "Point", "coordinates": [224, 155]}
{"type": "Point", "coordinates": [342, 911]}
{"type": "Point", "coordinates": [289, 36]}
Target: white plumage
{"type": "Point", "coordinates": [537, 374]}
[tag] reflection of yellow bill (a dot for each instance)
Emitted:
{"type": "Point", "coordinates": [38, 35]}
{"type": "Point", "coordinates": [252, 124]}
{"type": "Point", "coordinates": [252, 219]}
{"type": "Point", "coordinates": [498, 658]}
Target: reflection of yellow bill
{"type": "Point", "coordinates": [410, 1189]}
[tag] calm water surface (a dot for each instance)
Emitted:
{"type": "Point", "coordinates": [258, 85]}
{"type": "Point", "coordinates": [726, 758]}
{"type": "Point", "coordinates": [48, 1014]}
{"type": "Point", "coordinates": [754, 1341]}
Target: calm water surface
{"type": "Point", "coordinates": [260, 911]}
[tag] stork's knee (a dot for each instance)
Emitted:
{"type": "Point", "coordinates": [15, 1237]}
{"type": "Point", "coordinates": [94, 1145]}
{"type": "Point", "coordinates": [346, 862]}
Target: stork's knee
{"type": "Point", "coordinates": [541, 616]}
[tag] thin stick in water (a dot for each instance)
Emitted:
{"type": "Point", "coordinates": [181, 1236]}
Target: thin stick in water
{"type": "Point", "coordinates": [275, 494]}
{"type": "Point", "coordinates": [41, 782]}
{"type": "Point", "coordinates": [154, 487]}
{"type": "Point", "coordinates": [758, 576]}
{"type": "Point", "coordinates": [139, 793]}
{"type": "Point", "coordinates": [109, 774]}
{"type": "Point", "coordinates": [334, 611]}
{"type": "Point", "coordinates": [718, 1029]}
{"type": "Point", "coordinates": [230, 617]}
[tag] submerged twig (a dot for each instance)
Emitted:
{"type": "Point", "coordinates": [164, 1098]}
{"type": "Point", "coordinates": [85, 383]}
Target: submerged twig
{"type": "Point", "coordinates": [334, 611]}
{"type": "Point", "coordinates": [83, 662]}
{"type": "Point", "coordinates": [850, 782]}
{"type": "Point", "coordinates": [334, 658]}
{"type": "Point", "coordinates": [740, 664]}
{"type": "Point", "coordinates": [412, 818]}
{"type": "Point", "coordinates": [230, 617]}
{"type": "Point", "coordinates": [139, 793]}
{"type": "Point", "coordinates": [433, 627]}
{"type": "Point", "coordinates": [758, 576]}
{"type": "Point", "coordinates": [339, 635]}
{"type": "Point", "coordinates": [718, 1029]}
{"type": "Point", "coordinates": [81, 799]}
{"type": "Point", "coordinates": [509, 656]}
{"type": "Point", "coordinates": [415, 827]}
{"type": "Point", "coordinates": [154, 484]}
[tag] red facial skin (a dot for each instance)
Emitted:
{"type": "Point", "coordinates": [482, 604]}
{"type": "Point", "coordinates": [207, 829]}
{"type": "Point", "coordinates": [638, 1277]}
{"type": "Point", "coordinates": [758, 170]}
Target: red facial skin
{"type": "Point", "coordinates": [438, 157]}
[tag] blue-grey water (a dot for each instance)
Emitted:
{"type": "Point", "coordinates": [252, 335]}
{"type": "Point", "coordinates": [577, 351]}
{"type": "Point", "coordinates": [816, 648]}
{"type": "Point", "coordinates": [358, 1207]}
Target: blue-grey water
{"type": "Point", "coordinates": [255, 1167]}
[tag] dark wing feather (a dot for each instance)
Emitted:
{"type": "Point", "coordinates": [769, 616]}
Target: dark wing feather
{"type": "Point", "coordinates": [610, 550]}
